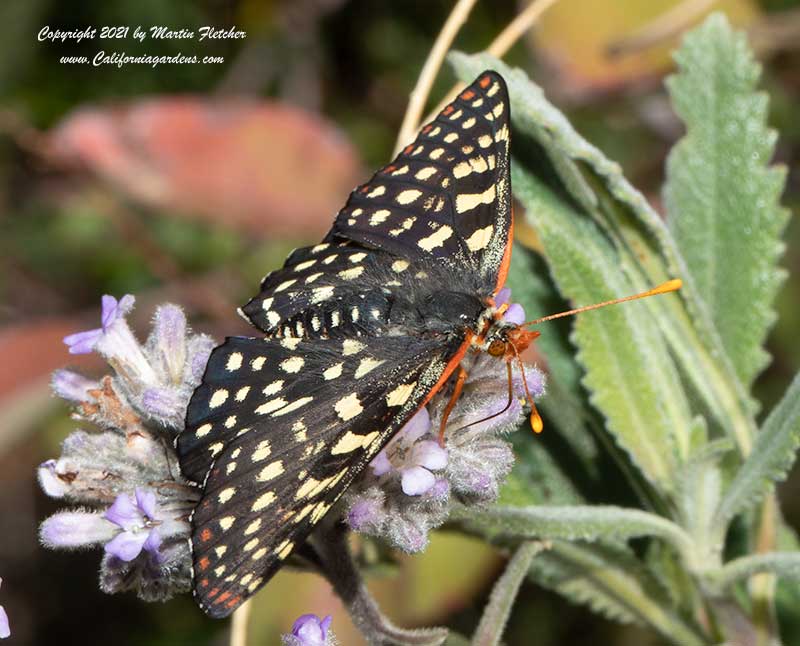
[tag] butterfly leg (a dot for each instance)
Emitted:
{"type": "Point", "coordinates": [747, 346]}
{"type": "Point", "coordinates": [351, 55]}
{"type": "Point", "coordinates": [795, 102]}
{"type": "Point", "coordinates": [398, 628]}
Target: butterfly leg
{"type": "Point", "coordinates": [462, 377]}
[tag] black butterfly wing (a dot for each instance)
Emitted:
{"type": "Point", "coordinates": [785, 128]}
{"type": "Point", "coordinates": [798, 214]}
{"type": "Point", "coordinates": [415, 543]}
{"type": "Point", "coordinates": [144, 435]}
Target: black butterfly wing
{"type": "Point", "coordinates": [275, 434]}
{"type": "Point", "coordinates": [448, 194]}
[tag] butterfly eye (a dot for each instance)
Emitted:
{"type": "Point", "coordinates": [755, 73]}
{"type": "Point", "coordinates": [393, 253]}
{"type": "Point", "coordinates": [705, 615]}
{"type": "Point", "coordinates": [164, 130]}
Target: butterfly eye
{"type": "Point", "coordinates": [497, 348]}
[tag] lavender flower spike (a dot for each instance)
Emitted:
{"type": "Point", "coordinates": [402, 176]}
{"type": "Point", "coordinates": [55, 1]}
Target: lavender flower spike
{"type": "Point", "coordinates": [138, 520]}
{"type": "Point", "coordinates": [5, 630]}
{"type": "Point", "coordinates": [112, 311]}
{"type": "Point", "coordinates": [309, 630]}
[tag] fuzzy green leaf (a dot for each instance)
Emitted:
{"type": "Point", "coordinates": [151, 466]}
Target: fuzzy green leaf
{"type": "Point", "coordinates": [773, 454]}
{"type": "Point", "coordinates": [784, 564]}
{"type": "Point", "coordinates": [629, 374]}
{"type": "Point", "coordinates": [576, 522]}
{"type": "Point", "coordinates": [613, 583]}
{"type": "Point", "coordinates": [721, 197]}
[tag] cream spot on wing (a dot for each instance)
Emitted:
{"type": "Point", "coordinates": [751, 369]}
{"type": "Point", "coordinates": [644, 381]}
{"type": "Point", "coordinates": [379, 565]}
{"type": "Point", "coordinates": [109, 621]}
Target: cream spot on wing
{"type": "Point", "coordinates": [253, 527]}
{"type": "Point", "coordinates": [227, 522]}
{"type": "Point", "coordinates": [435, 154]}
{"type": "Point", "coordinates": [468, 201]}
{"type": "Point", "coordinates": [300, 429]}
{"type": "Point", "coordinates": [451, 137]}
{"type": "Point", "coordinates": [264, 500]}
{"type": "Point", "coordinates": [333, 372]}
{"type": "Point", "coordinates": [292, 364]}
{"type": "Point", "coordinates": [334, 319]}
{"type": "Point", "coordinates": [315, 323]}
{"type": "Point", "coordinates": [234, 361]}
{"type": "Point", "coordinates": [311, 278]}
{"type": "Point", "coordinates": [267, 303]}
{"type": "Point", "coordinates": [290, 343]}
{"type": "Point", "coordinates": [484, 141]}
{"type": "Point", "coordinates": [262, 451]}
{"type": "Point", "coordinates": [456, 115]}
{"type": "Point", "coordinates": [351, 441]}
{"type": "Point", "coordinates": [271, 405]}
{"type": "Point", "coordinates": [321, 509]}
{"type": "Point", "coordinates": [408, 196]}
{"type": "Point", "coordinates": [258, 363]}
{"type": "Point", "coordinates": [305, 489]}
{"type": "Point", "coordinates": [400, 265]}
{"type": "Point", "coordinates": [231, 421]}
{"type": "Point", "coordinates": [351, 346]}
{"type": "Point", "coordinates": [285, 284]}
{"type": "Point", "coordinates": [259, 554]}
{"type": "Point", "coordinates": [350, 274]}
{"type": "Point", "coordinates": [284, 549]}
{"type": "Point", "coordinates": [436, 239]}
{"type": "Point", "coordinates": [320, 247]}
{"type": "Point", "coordinates": [425, 173]}
{"type": "Point", "coordinates": [254, 585]}
{"type": "Point", "coordinates": [272, 470]}
{"type": "Point", "coordinates": [246, 579]}
{"type": "Point", "coordinates": [274, 387]}
{"type": "Point", "coordinates": [251, 544]}
{"type": "Point", "coordinates": [379, 217]}
{"type": "Point", "coordinates": [348, 407]}
{"type": "Point", "coordinates": [494, 89]}
{"type": "Point", "coordinates": [468, 123]}
{"type": "Point", "coordinates": [241, 394]}
{"type": "Point", "coordinates": [305, 511]}
{"type": "Point", "coordinates": [219, 397]}
{"type": "Point", "coordinates": [357, 257]}
{"type": "Point", "coordinates": [215, 449]}
{"type": "Point", "coordinates": [400, 171]}
{"type": "Point", "coordinates": [400, 395]}
{"type": "Point", "coordinates": [377, 191]}
{"type": "Point", "coordinates": [480, 238]}
{"type": "Point", "coordinates": [320, 294]}
{"type": "Point", "coordinates": [226, 494]}
{"type": "Point", "coordinates": [477, 103]}
{"type": "Point", "coordinates": [203, 430]}
{"type": "Point", "coordinates": [367, 364]}
{"type": "Point", "coordinates": [230, 468]}
{"type": "Point", "coordinates": [219, 571]}
{"type": "Point", "coordinates": [220, 551]}
{"type": "Point", "coordinates": [273, 318]}
{"type": "Point", "coordinates": [498, 109]}
{"type": "Point", "coordinates": [305, 265]}
{"type": "Point", "coordinates": [297, 403]}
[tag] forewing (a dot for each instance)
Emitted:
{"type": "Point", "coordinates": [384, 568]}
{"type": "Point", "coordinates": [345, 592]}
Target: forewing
{"type": "Point", "coordinates": [276, 432]}
{"type": "Point", "coordinates": [448, 194]}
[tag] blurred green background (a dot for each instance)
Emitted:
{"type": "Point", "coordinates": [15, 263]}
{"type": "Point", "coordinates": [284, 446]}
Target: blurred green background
{"type": "Point", "coordinates": [189, 182]}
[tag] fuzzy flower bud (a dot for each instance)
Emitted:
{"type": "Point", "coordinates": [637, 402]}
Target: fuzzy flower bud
{"type": "Point", "coordinates": [310, 630]}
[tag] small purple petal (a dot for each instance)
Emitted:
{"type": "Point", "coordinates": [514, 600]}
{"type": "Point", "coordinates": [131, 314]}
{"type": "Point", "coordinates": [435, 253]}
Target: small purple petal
{"type": "Point", "coordinates": [380, 464]}
{"type": "Point", "coordinates": [5, 629]}
{"type": "Point", "coordinates": [113, 310]}
{"type": "Point", "coordinates": [83, 342]}
{"type": "Point", "coordinates": [429, 455]}
{"type": "Point", "coordinates": [440, 490]}
{"type": "Point", "coordinates": [416, 481]}
{"type": "Point", "coordinates": [124, 512]}
{"type": "Point", "coordinates": [502, 296]}
{"type": "Point", "coordinates": [146, 501]}
{"type": "Point", "coordinates": [364, 513]}
{"type": "Point", "coordinates": [153, 545]}
{"type": "Point", "coordinates": [515, 314]}
{"type": "Point", "coordinates": [417, 426]}
{"type": "Point", "coordinates": [311, 630]}
{"type": "Point", "coordinates": [75, 529]}
{"type": "Point", "coordinates": [162, 402]}
{"type": "Point", "coordinates": [127, 545]}
{"type": "Point", "coordinates": [72, 386]}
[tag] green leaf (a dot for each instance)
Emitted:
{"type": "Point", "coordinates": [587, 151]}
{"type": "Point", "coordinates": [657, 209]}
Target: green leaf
{"type": "Point", "coordinates": [782, 564]}
{"type": "Point", "coordinates": [647, 253]}
{"type": "Point", "coordinates": [578, 522]}
{"type": "Point", "coordinates": [629, 374]}
{"type": "Point", "coordinates": [613, 583]}
{"type": "Point", "coordinates": [495, 615]}
{"type": "Point", "coordinates": [773, 454]}
{"type": "Point", "coordinates": [721, 197]}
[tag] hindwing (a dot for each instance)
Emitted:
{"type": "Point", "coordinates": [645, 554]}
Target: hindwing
{"type": "Point", "coordinates": [276, 432]}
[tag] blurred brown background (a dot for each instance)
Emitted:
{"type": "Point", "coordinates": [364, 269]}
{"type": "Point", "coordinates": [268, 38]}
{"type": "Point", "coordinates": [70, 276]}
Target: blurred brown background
{"type": "Point", "coordinates": [188, 182]}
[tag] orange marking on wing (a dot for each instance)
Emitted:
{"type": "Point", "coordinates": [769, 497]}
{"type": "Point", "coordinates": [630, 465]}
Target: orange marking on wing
{"type": "Point", "coordinates": [448, 109]}
{"type": "Point", "coordinates": [408, 149]}
{"type": "Point", "coordinates": [364, 188]}
{"type": "Point", "coordinates": [203, 583]}
{"type": "Point", "coordinates": [233, 601]}
{"type": "Point", "coordinates": [427, 129]}
{"type": "Point", "coordinates": [484, 82]}
{"type": "Point", "coordinates": [214, 592]}
{"type": "Point", "coordinates": [467, 95]}
{"type": "Point", "coordinates": [390, 168]}
{"type": "Point", "coordinates": [221, 598]}
{"type": "Point", "coordinates": [203, 563]}
{"type": "Point", "coordinates": [506, 262]}
{"type": "Point", "coordinates": [206, 535]}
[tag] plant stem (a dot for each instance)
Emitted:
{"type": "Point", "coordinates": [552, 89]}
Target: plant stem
{"type": "Point", "coordinates": [419, 95]}
{"type": "Point", "coordinates": [239, 624]}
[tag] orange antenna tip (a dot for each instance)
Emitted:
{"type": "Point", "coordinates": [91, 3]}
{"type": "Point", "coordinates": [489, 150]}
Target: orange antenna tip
{"type": "Point", "coordinates": [670, 286]}
{"type": "Point", "coordinates": [536, 422]}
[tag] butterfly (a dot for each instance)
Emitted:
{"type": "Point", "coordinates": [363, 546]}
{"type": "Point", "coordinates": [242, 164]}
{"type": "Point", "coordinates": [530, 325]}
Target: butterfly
{"type": "Point", "coordinates": [359, 332]}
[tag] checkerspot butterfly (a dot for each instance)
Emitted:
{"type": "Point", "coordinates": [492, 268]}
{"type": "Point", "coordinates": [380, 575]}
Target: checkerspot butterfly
{"type": "Point", "coordinates": [360, 332]}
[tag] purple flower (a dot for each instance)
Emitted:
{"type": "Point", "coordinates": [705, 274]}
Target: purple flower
{"type": "Point", "coordinates": [413, 460]}
{"type": "Point", "coordinates": [515, 313]}
{"type": "Point", "coordinates": [112, 311]}
{"type": "Point", "coordinates": [309, 630]}
{"type": "Point", "coordinates": [138, 520]}
{"type": "Point", "coordinates": [70, 529]}
{"type": "Point", "coordinates": [5, 630]}
{"type": "Point", "coordinates": [72, 386]}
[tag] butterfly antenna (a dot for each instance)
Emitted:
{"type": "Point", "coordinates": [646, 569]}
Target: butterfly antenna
{"type": "Point", "coordinates": [664, 288]}
{"type": "Point", "coordinates": [536, 420]}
